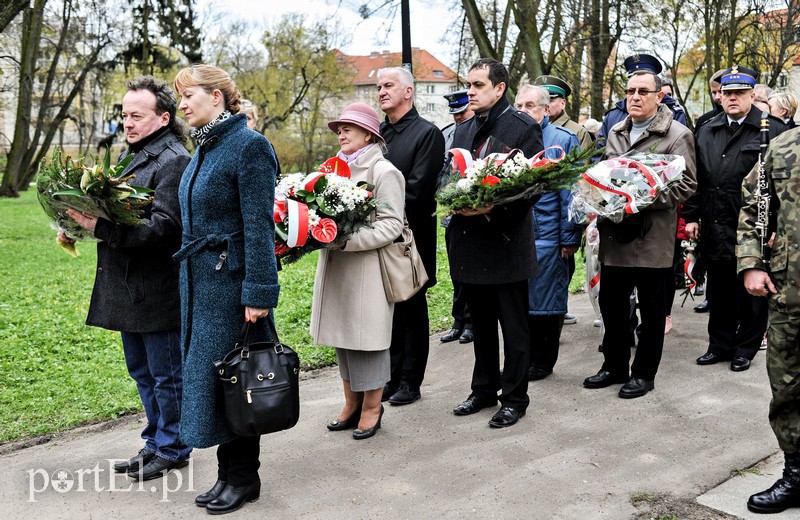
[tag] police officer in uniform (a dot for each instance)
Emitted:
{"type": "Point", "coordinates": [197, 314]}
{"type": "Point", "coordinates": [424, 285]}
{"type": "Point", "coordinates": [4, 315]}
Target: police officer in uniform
{"type": "Point", "coordinates": [559, 92]}
{"type": "Point", "coordinates": [458, 103]}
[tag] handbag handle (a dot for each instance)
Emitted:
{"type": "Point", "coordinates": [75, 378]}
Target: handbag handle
{"type": "Point", "coordinates": [245, 332]}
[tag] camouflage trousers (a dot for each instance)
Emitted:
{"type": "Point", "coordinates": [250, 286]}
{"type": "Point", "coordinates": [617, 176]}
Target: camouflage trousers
{"type": "Point", "coordinates": [783, 368]}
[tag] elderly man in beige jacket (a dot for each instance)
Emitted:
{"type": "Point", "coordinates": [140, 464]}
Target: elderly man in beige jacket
{"type": "Point", "coordinates": [637, 253]}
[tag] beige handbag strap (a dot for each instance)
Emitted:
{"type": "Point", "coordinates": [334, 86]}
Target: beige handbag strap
{"type": "Point", "coordinates": [371, 180]}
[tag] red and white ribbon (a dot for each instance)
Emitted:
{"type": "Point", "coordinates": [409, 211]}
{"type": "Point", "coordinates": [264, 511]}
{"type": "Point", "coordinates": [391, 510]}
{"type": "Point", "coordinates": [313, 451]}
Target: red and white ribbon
{"type": "Point", "coordinates": [648, 173]}
{"type": "Point", "coordinates": [540, 160]}
{"type": "Point", "coordinates": [298, 223]}
{"type": "Point", "coordinates": [311, 179]}
{"type": "Point", "coordinates": [462, 160]}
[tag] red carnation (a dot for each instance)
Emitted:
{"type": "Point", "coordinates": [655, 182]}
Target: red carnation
{"type": "Point", "coordinates": [491, 180]}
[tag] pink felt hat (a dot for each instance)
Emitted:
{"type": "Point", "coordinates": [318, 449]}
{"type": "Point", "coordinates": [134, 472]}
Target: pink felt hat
{"type": "Point", "coordinates": [361, 115]}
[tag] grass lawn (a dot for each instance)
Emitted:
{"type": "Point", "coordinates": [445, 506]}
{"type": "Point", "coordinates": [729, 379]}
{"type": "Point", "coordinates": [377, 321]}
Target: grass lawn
{"type": "Point", "coordinates": [58, 373]}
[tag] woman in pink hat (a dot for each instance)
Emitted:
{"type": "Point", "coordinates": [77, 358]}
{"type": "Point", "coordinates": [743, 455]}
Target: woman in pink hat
{"type": "Point", "coordinates": [350, 310]}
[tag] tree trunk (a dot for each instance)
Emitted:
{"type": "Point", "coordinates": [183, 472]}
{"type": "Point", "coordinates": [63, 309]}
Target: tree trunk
{"type": "Point", "coordinates": [9, 9]}
{"type": "Point", "coordinates": [31, 31]}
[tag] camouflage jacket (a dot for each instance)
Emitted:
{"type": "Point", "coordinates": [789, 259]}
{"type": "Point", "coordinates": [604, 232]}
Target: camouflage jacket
{"type": "Point", "coordinates": [782, 165]}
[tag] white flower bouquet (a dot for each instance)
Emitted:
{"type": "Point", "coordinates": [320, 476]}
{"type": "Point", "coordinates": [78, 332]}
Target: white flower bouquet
{"type": "Point", "coordinates": [623, 186]}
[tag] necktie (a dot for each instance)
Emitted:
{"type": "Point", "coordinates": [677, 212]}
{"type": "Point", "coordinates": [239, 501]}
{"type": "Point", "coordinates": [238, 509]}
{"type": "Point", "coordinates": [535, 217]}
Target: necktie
{"type": "Point", "coordinates": [734, 126]}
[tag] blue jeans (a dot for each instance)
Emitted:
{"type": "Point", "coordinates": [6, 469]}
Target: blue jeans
{"type": "Point", "coordinates": [154, 362]}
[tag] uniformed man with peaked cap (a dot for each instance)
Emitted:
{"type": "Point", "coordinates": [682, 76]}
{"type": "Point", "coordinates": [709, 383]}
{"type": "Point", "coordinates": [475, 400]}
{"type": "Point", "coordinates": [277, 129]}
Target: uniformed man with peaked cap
{"type": "Point", "coordinates": [559, 92]}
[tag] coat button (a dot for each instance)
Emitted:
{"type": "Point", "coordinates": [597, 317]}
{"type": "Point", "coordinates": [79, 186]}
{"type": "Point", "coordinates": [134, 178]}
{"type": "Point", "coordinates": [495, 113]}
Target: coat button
{"type": "Point", "coordinates": [99, 270]}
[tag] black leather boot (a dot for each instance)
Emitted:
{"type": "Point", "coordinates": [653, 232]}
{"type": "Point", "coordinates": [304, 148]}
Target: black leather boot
{"type": "Point", "coordinates": [784, 493]}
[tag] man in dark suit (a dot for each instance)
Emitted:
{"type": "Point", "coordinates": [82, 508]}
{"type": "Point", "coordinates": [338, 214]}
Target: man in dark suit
{"type": "Point", "coordinates": [492, 252]}
{"type": "Point", "coordinates": [136, 286]}
{"type": "Point", "coordinates": [416, 148]}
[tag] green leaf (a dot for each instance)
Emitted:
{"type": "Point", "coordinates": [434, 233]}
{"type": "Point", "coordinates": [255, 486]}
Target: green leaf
{"type": "Point", "coordinates": [323, 207]}
{"type": "Point", "coordinates": [281, 232]}
{"type": "Point", "coordinates": [321, 184]}
{"type": "Point", "coordinates": [107, 160]}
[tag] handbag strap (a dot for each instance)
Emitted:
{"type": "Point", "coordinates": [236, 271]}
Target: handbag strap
{"type": "Point", "coordinates": [371, 180]}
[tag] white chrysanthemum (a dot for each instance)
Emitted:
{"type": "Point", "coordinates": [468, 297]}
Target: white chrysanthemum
{"type": "Point", "coordinates": [290, 184]}
{"type": "Point", "coordinates": [465, 184]}
{"type": "Point", "coordinates": [313, 218]}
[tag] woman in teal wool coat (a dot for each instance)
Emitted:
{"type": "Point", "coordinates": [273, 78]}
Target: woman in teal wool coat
{"type": "Point", "coordinates": [228, 269]}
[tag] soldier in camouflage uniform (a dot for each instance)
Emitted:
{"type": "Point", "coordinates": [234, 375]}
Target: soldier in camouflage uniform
{"type": "Point", "coordinates": [782, 286]}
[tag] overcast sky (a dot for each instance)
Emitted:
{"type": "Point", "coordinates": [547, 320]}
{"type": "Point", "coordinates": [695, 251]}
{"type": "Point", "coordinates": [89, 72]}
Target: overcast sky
{"type": "Point", "coordinates": [429, 21]}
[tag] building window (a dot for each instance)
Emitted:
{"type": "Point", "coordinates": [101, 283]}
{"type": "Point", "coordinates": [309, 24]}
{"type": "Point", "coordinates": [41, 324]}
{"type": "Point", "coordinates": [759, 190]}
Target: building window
{"type": "Point", "coordinates": [431, 89]}
{"type": "Point", "coordinates": [438, 73]}
{"type": "Point", "coordinates": [431, 108]}
{"type": "Point", "coordinates": [453, 88]}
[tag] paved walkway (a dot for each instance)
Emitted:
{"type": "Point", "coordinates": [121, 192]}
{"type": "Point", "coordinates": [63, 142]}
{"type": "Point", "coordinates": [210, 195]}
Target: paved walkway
{"type": "Point", "coordinates": [577, 454]}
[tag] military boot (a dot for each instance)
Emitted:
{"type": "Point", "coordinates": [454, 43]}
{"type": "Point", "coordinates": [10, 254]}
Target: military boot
{"type": "Point", "coordinates": [784, 493]}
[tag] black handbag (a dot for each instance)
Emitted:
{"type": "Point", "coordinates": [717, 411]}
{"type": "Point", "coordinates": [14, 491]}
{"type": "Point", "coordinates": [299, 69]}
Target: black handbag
{"type": "Point", "coordinates": [259, 385]}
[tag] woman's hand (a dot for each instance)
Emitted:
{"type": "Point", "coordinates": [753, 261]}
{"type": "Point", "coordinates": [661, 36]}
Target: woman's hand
{"type": "Point", "coordinates": [252, 314]}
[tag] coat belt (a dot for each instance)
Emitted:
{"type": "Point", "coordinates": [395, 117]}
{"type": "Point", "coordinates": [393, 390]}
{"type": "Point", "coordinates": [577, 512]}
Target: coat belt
{"type": "Point", "coordinates": [193, 245]}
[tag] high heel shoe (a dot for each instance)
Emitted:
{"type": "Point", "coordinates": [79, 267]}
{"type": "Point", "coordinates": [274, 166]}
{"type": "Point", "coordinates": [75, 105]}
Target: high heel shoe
{"type": "Point", "coordinates": [211, 494]}
{"type": "Point", "coordinates": [233, 498]}
{"type": "Point", "coordinates": [351, 422]}
{"type": "Point", "coordinates": [359, 434]}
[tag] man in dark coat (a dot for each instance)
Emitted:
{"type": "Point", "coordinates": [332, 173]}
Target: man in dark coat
{"type": "Point", "coordinates": [416, 148]}
{"type": "Point", "coordinates": [727, 149]}
{"type": "Point", "coordinates": [492, 253]}
{"type": "Point", "coordinates": [136, 284]}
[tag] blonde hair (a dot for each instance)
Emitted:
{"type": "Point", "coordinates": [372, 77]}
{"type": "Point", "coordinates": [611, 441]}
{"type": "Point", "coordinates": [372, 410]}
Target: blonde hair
{"type": "Point", "coordinates": [209, 78]}
{"type": "Point", "coordinates": [785, 101]}
{"type": "Point", "coordinates": [246, 106]}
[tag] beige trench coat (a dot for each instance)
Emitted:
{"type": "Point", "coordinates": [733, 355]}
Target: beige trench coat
{"type": "Point", "coordinates": [350, 309]}
{"type": "Point", "coordinates": [657, 247]}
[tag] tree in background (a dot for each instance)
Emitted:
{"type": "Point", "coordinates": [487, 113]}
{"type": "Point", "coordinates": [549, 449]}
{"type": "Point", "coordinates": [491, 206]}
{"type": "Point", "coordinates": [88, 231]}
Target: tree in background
{"type": "Point", "coordinates": [83, 43]}
{"type": "Point", "coordinates": [295, 80]}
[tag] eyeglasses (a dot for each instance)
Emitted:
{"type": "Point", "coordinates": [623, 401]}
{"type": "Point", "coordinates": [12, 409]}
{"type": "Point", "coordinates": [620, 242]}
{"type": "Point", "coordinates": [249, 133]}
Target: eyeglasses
{"type": "Point", "coordinates": [641, 91]}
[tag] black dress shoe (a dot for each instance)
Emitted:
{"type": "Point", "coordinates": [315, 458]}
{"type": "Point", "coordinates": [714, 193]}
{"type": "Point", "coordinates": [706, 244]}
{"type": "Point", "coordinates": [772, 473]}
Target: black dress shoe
{"type": "Point", "coordinates": [404, 395]}
{"type": "Point", "coordinates": [233, 498]}
{"type": "Point", "coordinates": [536, 373]}
{"type": "Point", "coordinates": [635, 387]}
{"type": "Point", "coordinates": [359, 434]}
{"type": "Point", "coordinates": [506, 416]}
{"type": "Point", "coordinates": [140, 459]}
{"type": "Point", "coordinates": [157, 468]}
{"type": "Point", "coordinates": [351, 422]}
{"type": "Point", "coordinates": [472, 405]}
{"type": "Point", "coordinates": [452, 335]}
{"type": "Point", "coordinates": [711, 358]}
{"type": "Point", "coordinates": [740, 364]}
{"type": "Point", "coordinates": [211, 494]}
{"type": "Point", "coordinates": [604, 379]}
{"type": "Point", "coordinates": [388, 392]}
{"type": "Point", "coordinates": [703, 306]}
{"type": "Point", "coordinates": [467, 336]}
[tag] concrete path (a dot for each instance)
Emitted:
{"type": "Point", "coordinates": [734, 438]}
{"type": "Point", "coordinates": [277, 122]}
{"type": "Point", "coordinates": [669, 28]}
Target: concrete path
{"type": "Point", "coordinates": [577, 454]}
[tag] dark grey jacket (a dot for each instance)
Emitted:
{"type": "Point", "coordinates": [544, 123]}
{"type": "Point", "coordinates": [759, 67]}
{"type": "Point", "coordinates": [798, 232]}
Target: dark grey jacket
{"type": "Point", "coordinates": [136, 284]}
